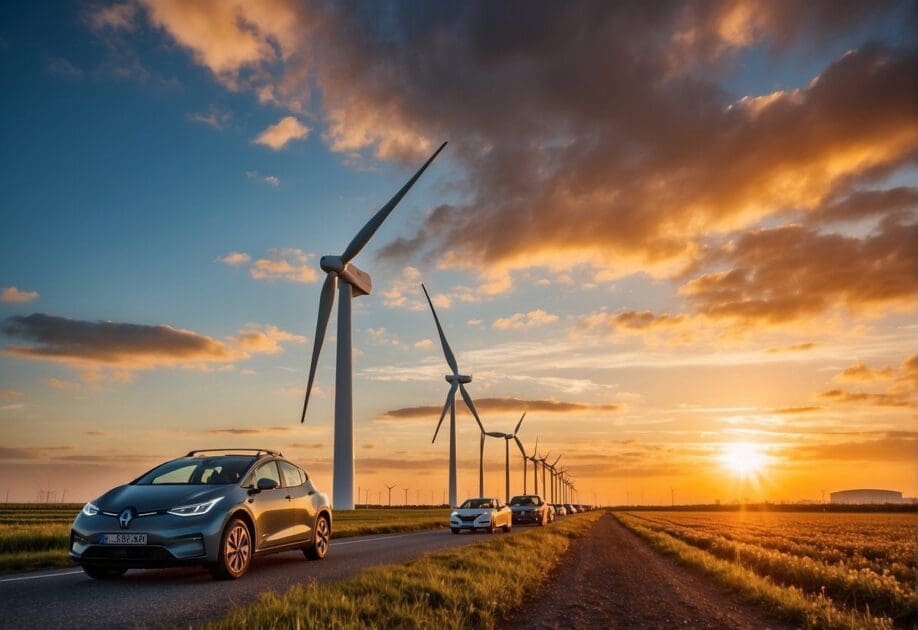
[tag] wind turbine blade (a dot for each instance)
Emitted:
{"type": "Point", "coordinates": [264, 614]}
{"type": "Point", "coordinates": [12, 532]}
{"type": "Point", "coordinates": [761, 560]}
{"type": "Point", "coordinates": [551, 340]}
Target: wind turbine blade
{"type": "Point", "coordinates": [326, 301]}
{"type": "Point", "coordinates": [545, 456]}
{"type": "Point", "coordinates": [520, 446]}
{"type": "Point", "coordinates": [559, 459]}
{"type": "Point", "coordinates": [449, 399]}
{"type": "Point", "coordinates": [447, 351]}
{"type": "Point", "coordinates": [471, 406]}
{"type": "Point", "coordinates": [517, 429]}
{"type": "Point", "coordinates": [535, 453]}
{"type": "Point", "coordinates": [494, 434]}
{"type": "Point", "coordinates": [364, 235]}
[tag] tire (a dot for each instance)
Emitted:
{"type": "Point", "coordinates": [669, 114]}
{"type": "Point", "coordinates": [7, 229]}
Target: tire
{"type": "Point", "coordinates": [102, 573]}
{"type": "Point", "coordinates": [455, 530]}
{"type": "Point", "coordinates": [236, 551]}
{"type": "Point", "coordinates": [321, 540]}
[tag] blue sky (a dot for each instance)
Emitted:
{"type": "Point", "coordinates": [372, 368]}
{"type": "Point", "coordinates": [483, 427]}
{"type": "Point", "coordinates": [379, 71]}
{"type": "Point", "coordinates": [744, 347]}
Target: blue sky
{"type": "Point", "coordinates": [130, 168]}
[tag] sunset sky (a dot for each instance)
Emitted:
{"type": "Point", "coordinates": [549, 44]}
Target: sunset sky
{"type": "Point", "coordinates": [674, 236]}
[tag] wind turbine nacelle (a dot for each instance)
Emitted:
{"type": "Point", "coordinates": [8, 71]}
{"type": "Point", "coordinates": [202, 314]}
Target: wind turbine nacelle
{"type": "Point", "coordinates": [458, 378]}
{"type": "Point", "coordinates": [360, 281]}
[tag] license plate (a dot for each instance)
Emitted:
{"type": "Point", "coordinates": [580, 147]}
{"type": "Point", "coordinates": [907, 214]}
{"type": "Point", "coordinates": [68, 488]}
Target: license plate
{"type": "Point", "coordinates": [123, 539]}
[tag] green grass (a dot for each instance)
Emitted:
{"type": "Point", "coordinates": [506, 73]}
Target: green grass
{"type": "Point", "coordinates": [35, 536]}
{"type": "Point", "coordinates": [474, 586]}
{"type": "Point", "coordinates": [807, 609]}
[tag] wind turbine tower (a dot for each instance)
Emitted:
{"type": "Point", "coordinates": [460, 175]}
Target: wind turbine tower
{"type": "Point", "coordinates": [354, 282]}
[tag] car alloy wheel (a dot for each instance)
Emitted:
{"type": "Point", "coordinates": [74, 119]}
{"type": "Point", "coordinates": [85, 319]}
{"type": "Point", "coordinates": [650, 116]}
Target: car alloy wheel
{"type": "Point", "coordinates": [236, 553]}
{"type": "Point", "coordinates": [321, 540]}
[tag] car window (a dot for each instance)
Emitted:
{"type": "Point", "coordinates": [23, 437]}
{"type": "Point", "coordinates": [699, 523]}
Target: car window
{"type": "Point", "coordinates": [181, 474]}
{"type": "Point", "coordinates": [224, 469]}
{"type": "Point", "coordinates": [267, 471]}
{"type": "Point", "coordinates": [475, 504]}
{"type": "Point", "coordinates": [291, 474]}
{"type": "Point", "coordinates": [303, 476]}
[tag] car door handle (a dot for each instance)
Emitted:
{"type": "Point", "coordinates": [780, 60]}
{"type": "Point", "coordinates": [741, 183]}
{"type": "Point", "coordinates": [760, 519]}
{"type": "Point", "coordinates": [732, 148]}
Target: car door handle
{"type": "Point", "coordinates": [311, 492]}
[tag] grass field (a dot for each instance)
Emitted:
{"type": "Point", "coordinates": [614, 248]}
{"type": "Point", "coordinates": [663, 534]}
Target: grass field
{"type": "Point", "coordinates": [817, 569]}
{"type": "Point", "coordinates": [35, 536]}
{"type": "Point", "coordinates": [469, 587]}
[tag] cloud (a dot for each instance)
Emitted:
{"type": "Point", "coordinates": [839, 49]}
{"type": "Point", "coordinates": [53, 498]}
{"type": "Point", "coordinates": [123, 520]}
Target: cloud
{"type": "Point", "coordinates": [62, 384]}
{"type": "Point", "coordinates": [797, 347]}
{"type": "Point", "coordinates": [863, 204]}
{"type": "Point", "coordinates": [424, 344]}
{"type": "Point", "coordinates": [874, 399]}
{"type": "Point", "coordinates": [889, 449]}
{"type": "Point", "coordinates": [247, 431]}
{"type": "Point", "coordinates": [404, 292]}
{"type": "Point", "coordinates": [234, 258]}
{"type": "Point", "coordinates": [12, 295]}
{"type": "Point", "coordinates": [798, 410]}
{"type": "Point", "coordinates": [315, 445]}
{"type": "Point", "coordinates": [273, 181]}
{"type": "Point", "coordinates": [270, 180]}
{"type": "Point", "coordinates": [284, 264]}
{"type": "Point", "coordinates": [860, 372]}
{"type": "Point", "coordinates": [10, 394]}
{"type": "Point", "coordinates": [95, 433]}
{"type": "Point", "coordinates": [783, 274]}
{"type": "Point", "coordinates": [277, 136]}
{"type": "Point", "coordinates": [532, 319]}
{"type": "Point", "coordinates": [502, 405]}
{"type": "Point", "coordinates": [113, 350]}
{"type": "Point", "coordinates": [264, 339]}
{"type": "Point", "coordinates": [214, 117]}
{"type": "Point", "coordinates": [119, 16]}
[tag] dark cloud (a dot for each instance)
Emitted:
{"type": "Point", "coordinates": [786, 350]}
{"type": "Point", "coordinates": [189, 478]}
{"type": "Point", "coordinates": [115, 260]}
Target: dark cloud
{"type": "Point", "coordinates": [797, 347]}
{"type": "Point", "coordinates": [797, 410]}
{"type": "Point", "coordinates": [864, 204]}
{"type": "Point", "coordinates": [867, 398]}
{"type": "Point", "coordinates": [499, 405]}
{"type": "Point", "coordinates": [247, 431]}
{"type": "Point", "coordinates": [110, 343]}
{"type": "Point", "coordinates": [889, 449]}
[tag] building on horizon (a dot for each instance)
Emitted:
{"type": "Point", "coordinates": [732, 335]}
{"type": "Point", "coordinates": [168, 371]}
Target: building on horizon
{"type": "Point", "coordinates": [865, 497]}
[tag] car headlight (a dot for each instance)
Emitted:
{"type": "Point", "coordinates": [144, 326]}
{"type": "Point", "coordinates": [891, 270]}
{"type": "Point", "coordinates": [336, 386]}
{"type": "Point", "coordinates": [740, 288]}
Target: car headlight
{"type": "Point", "coordinates": [90, 509]}
{"type": "Point", "coordinates": [454, 515]}
{"type": "Point", "coordinates": [195, 509]}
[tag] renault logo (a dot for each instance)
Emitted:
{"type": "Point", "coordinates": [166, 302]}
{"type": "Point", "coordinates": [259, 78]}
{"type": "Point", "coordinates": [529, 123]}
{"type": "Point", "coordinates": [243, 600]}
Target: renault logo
{"type": "Point", "coordinates": [125, 518]}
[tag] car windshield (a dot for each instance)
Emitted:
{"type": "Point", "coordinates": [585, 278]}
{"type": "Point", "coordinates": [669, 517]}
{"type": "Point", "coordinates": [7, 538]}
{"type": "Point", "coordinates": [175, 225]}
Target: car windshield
{"type": "Point", "coordinates": [475, 504]}
{"type": "Point", "coordinates": [523, 501]}
{"type": "Point", "coordinates": [225, 469]}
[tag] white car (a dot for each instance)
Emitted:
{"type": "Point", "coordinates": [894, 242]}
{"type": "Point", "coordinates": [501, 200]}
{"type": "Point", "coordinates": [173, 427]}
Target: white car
{"type": "Point", "coordinates": [489, 514]}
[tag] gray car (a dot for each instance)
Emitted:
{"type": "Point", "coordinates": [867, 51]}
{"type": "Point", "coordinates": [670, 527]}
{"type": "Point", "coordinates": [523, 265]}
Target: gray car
{"type": "Point", "coordinates": [216, 508]}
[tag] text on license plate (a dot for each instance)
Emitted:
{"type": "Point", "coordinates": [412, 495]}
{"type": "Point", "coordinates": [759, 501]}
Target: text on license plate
{"type": "Point", "coordinates": [123, 539]}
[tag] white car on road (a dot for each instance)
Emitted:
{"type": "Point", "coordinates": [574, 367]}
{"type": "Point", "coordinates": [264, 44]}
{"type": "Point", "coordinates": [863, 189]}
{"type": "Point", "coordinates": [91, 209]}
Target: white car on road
{"type": "Point", "coordinates": [484, 513]}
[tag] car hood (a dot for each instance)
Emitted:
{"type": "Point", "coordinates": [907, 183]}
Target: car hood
{"type": "Point", "coordinates": [156, 498]}
{"type": "Point", "coordinates": [473, 511]}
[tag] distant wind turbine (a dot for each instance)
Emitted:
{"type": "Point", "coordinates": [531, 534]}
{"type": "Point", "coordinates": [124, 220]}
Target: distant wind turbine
{"type": "Point", "coordinates": [507, 437]}
{"type": "Point", "coordinates": [354, 283]}
{"type": "Point", "coordinates": [534, 458]}
{"type": "Point", "coordinates": [457, 381]}
{"type": "Point", "coordinates": [390, 493]}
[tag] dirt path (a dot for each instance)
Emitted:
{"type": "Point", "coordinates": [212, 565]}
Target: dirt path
{"type": "Point", "coordinates": [613, 579]}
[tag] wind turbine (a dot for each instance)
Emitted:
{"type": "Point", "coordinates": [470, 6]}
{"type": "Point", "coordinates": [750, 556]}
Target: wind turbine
{"type": "Point", "coordinates": [554, 480]}
{"type": "Point", "coordinates": [457, 381]}
{"type": "Point", "coordinates": [534, 458]}
{"type": "Point", "coordinates": [544, 467]}
{"type": "Point", "coordinates": [390, 493]}
{"type": "Point", "coordinates": [507, 437]}
{"type": "Point", "coordinates": [354, 283]}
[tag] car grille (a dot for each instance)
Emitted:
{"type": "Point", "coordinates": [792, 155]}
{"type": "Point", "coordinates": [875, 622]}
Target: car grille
{"type": "Point", "coordinates": [468, 519]}
{"type": "Point", "coordinates": [128, 552]}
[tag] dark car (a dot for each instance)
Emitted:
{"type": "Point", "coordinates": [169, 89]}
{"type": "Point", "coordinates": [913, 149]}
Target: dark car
{"type": "Point", "coordinates": [213, 508]}
{"type": "Point", "coordinates": [530, 509]}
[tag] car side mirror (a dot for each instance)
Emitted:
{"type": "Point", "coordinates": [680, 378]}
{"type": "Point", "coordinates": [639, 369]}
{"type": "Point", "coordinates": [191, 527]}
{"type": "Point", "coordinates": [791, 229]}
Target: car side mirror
{"type": "Point", "coordinates": [266, 484]}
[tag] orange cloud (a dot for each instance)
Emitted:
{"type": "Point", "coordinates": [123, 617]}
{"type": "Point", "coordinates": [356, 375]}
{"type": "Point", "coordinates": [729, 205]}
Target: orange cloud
{"type": "Point", "coordinates": [10, 394]}
{"type": "Point", "coordinates": [284, 264]}
{"type": "Point", "coordinates": [235, 258]}
{"type": "Point", "coordinates": [12, 295]}
{"type": "Point", "coordinates": [859, 372]}
{"type": "Point", "coordinates": [532, 319]}
{"type": "Point", "coordinates": [279, 135]}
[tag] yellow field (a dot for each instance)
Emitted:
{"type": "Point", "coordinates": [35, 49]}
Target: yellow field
{"type": "Point", "coordinates": [851, 567]}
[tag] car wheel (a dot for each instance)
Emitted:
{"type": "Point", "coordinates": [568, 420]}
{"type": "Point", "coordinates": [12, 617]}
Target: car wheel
{"type": "Point", "coordinates": [102, 573]}
{"type": "Point", "coordinates": [455, 530]}
{"type": "Point", "coordinates": [236, 550]}
{"type": "Point", "coordinates": [321, 540]}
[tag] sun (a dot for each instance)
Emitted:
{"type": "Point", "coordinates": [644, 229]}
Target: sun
{"type": "Point", "coordinates": [743, 459]}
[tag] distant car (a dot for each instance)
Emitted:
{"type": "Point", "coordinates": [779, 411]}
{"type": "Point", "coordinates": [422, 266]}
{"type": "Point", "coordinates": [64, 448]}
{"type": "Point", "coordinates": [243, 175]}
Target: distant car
{"type": "Point", "coordinates": [481, 513]}
{"type": "Point", "coordinates": [571, 509]}
{"type": "Point", "coordinates": [530, 509]}
{"type": "Point", "coordinates": [560, 510]}
{"type": "Point", "coordinates": [213, 508]}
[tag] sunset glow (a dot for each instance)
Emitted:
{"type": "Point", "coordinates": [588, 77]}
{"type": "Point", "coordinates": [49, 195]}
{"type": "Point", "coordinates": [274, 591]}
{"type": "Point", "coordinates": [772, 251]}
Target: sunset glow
{"type": "Point", "coordinates": [683, 243]}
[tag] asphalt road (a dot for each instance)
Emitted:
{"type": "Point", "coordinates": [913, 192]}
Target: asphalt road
{"type": "Point", "coordinates": [67, 598]}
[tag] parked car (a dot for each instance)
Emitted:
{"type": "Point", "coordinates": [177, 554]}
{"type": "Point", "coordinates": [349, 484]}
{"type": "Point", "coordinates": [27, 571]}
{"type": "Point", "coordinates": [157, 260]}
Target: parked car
{"type": "Point", "coordinates": [571, 509]}
{"type": "Point", "coordinates": [560, 510]}
{"type": "Point", "coordinates": [481, 513]}
{"type": "Point", "coordinates": [216, 508]}
{"type": "Point", "coordinates": [530, 509]}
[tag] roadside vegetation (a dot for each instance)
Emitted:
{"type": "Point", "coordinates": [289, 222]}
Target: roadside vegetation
{"type": "Point", "coordinates": [474, 586]}
{"type": "Point", "coordinates": [35, 536]}
{"type": "Point", "coordinates": [818, 570]}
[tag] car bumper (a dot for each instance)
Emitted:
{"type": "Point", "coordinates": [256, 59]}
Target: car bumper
{"type": "Point", "coordinates": [527, 517]}
{"type": "Point", "coordinates": [478, 524]}
{"type": "Point", "coordinates": [171, 541]}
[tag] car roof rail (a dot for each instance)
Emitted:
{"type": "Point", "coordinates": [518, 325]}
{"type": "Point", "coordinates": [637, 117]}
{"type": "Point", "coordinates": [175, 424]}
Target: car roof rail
{"type": "Point", "coordinates": [257, 451]}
